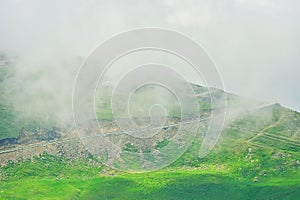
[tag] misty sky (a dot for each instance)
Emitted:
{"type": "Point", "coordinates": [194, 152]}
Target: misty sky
{"type": "Point", "coordinates": [255, 44]}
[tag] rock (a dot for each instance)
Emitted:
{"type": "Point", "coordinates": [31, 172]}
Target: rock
{"type": "Point", "coordinates": [249, 149]}
{"type": "Point", "coordinates": [8, 141]}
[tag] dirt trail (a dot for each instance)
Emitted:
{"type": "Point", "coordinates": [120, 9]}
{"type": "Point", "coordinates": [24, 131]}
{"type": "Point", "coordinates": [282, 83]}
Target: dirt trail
{"type": "Point", "coordinates": [262, 132]}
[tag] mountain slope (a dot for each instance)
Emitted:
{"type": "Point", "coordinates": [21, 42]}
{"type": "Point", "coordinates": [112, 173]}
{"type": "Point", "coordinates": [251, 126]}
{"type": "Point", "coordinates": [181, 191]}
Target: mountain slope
{"type": "Point", "coordinates": [256, 157]}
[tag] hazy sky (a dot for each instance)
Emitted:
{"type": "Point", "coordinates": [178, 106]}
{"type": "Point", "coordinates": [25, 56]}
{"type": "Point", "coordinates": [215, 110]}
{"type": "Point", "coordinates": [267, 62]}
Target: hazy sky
{"type": "Point", "coordinates": [255, 44]}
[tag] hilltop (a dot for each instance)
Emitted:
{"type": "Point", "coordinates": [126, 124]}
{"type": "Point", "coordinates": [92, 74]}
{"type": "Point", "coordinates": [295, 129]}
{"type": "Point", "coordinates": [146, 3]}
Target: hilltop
{"type": "Point", "coordinates": [257, 156]}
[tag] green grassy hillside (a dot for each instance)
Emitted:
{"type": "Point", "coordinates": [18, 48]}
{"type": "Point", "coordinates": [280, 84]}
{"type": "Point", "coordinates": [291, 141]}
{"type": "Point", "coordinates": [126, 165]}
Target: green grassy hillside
{"type": "Point", "coordinates": [256, 157]}
{"type": "Point", "coordinates": [50, 177]}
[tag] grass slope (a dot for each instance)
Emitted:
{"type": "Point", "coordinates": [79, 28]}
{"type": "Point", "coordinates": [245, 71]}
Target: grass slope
{"type": "Point", "coordinates": [49, 177]}
{"type": "Point", "coordinates": [257, 157]}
